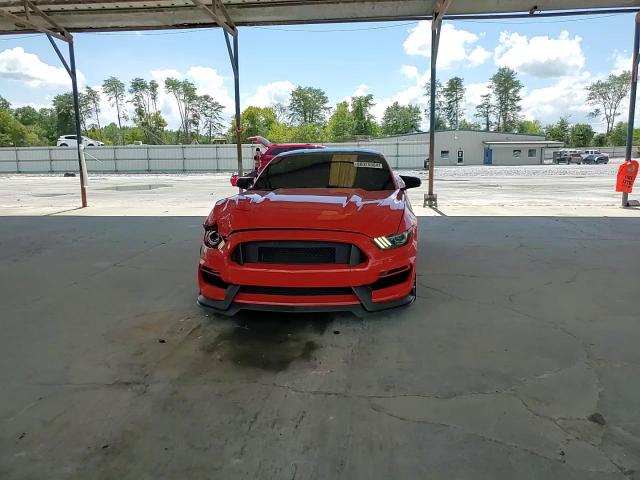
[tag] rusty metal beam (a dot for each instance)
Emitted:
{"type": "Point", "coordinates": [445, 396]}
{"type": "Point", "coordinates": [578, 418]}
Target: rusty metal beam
{"type": "Point", "coordinates": [224, 23]}
{"type": "Point", "coordinates": [24, 22]}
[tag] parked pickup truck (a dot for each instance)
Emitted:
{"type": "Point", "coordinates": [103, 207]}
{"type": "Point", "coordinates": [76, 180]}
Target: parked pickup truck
{"type": "Point", "coordinates": [567, 156]}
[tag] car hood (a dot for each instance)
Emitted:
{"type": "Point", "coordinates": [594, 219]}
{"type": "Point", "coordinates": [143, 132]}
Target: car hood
{"type": "Point", "coordinates": [348, 210]}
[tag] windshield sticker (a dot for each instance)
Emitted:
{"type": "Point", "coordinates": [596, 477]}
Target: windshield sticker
{"type": "Point", "coordinates": [367, 164]}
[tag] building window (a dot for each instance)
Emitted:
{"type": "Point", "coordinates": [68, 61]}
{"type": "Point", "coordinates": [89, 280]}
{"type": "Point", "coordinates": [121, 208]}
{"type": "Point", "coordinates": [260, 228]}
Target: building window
{"type": "Point", "coordinates": [532, 153]}
{"type": "Point", "coordinates": [444, 154]}
{"type": "Point", "coordinates": [516, 153]}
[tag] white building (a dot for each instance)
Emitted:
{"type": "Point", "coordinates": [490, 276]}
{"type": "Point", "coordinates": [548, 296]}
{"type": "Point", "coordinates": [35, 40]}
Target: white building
{"type": "Point", "coordinates": [478, 147]}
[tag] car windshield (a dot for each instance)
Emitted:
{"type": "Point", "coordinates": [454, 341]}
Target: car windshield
{"type": "Point", "coordinates": [327, 170]}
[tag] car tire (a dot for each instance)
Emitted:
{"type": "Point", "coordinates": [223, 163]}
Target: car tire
{"type": "Point", "coordinates": [63, 145]}
{"type": "Point", "coordinates": [90, 145]}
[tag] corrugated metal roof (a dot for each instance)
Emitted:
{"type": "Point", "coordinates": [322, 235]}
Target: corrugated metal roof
{"type": "Point", "coordinates": [105, 15]}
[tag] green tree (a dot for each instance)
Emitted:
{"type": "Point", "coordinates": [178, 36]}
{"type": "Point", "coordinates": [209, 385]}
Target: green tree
{"type": "Point", "coordinates": [308, 105]}
{"type": "Point", "coordinates": [115, 91]}
{"type": "Point", "coordinates": [13, 133]}
{"type": "Point", "coordinates": [184, 92]}
{"type": "Point", "coordinates": [559, 131]}
{"type": "Point", "coordinates": [341, 124]}
{"type": "Point", "coordinates": [467, 125]}
{"type": "Point", "coordinates": [4, 104]}
{"type": "Point", "coordinates": [531, 127]}
{"type": "Point", "coordinates": [254, 121]}
{"type": "Point", "coordinates": [26, 115]}
{"type": "Point", "coordinates": [485, 111]}
{"type": "Point", "coordinates": [399, 119]}
{"type": "Point", "coordinates": [453, 100]}
{"type": "Point", "coordinates": [310, 133]}
{"type": "Point", "coordinates": [140, 96]}
{"type": "Point", "coordinates": [63, 106]}
{"type": "Point", "coordinates": [618, 135]}
{"type": "Point", "coordinates": [581, 135]}
{"type": "Point", "coordinates": [152, 127]}
{"type": "Point", "coordinates": [599, 140]}
{"type": "Point", "coordinates": [281, 133]}
{"type": "Point", "coordinates": [505, 88]}
{"type": "Point", "coordinates": [210, 113]}
{"type": "Point", "coordinates": [362, 118]}
{"type": "Point", "coordinates": [92, 97]}
{"type": "Point", "coordinates": [607, 95]}
{"type": "Point", "coordinates": [441, 122]}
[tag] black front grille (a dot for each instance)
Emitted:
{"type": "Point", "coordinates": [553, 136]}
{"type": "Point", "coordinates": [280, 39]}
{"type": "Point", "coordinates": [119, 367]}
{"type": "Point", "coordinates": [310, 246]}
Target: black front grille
{"type": "Point", "coordinates": [297, 255]}
{"type": "Point", "coordinates": [287, 252]}
{"type": "Point", "coordinates": [311, 291]}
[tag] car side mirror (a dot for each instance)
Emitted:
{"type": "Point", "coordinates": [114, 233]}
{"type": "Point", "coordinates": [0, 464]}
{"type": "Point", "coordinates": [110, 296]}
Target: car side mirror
{"type": "Point", "coordinates": [245, 182]}
{"type": "Point", "coordinates": [410, 182]}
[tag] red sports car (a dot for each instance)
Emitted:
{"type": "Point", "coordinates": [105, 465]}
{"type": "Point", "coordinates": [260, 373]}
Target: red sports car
{"type": "Point", "coordinates": [317, 230]}
{"type": "Point", "coordinates": [262, 159]}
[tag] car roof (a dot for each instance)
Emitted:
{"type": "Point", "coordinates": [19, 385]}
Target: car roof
{"type": "Point", "coordinates": [333, 150]}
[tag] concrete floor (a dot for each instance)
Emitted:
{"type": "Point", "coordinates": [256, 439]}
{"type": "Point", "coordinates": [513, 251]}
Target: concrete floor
{"type": "Point", "coordinates": [524, 328]}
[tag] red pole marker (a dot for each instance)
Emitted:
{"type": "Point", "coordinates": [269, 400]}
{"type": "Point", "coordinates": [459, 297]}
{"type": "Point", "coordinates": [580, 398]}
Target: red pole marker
{"type": "Point", "coordinates": [626, 176]}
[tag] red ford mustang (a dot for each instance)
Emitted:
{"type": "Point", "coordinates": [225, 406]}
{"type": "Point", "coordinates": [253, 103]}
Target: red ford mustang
{"type": "Point", "coordinates": [317, 230]}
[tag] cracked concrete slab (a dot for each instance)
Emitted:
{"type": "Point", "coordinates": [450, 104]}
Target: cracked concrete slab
{"type": "Point", "coordinates": [522, 328]}
{"type": "Point", "coordinates": [568, 393]}
{"type": "Point", "coordinates": [501, 418]}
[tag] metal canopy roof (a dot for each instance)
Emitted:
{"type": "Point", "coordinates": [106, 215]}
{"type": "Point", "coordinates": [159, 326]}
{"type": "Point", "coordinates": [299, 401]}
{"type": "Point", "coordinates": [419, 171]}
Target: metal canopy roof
{"type": "Point", "coordinates": [105, 15]}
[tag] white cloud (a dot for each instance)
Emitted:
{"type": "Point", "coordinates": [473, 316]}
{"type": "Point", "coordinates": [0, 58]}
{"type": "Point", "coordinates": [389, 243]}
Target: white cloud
{"type": "Point", "coordinates": [16, 64]}
{"type": "Point", "coordinates": [207, 81]}
{"type": "Point", "coordinates": [540, 56]}
{"type": "Point", "coordinates": [621, 62]}
{"type": "Point", "coordinates": [362, 89]}
{"type": "Point", "coordinates": [566, 97]}
{"type": "Point", "coordinates": [456, 47]}
{"type": "Point", "coordinates": [270, 94]}
{"type": "Point", "coordinates": [472, 97]}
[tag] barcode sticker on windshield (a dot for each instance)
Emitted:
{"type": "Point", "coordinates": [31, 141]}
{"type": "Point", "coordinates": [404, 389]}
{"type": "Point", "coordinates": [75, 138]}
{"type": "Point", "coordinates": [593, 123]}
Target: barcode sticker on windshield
{"type": "Point", "coordinates": [367, 164]}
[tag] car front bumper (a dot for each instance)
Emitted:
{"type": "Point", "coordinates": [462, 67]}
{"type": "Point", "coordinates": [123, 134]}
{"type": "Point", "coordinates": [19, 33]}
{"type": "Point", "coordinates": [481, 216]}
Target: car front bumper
{"type": "Point", "coordinates": [385, 280]}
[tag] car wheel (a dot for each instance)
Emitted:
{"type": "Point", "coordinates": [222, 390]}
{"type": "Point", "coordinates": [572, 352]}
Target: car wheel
{"type": "Point", "coordinates": [63, 145]}
{"type": "Point", "coordinates": [90, 145]}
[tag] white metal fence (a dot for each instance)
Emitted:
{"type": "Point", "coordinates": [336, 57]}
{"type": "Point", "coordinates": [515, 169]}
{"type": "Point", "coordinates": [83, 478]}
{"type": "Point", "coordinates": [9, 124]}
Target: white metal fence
{"type": "Point", "coordinates": [172, 158]}
{"type": "Point", "coordinates": [189, 158]}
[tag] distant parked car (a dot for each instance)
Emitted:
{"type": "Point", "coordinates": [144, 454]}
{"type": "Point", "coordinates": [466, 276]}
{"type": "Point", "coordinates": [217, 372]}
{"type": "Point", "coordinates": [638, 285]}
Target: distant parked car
{"type": "Point", "coordinates": [70, 141]}
{"type": "Point", "coordinates": [595, 159]}
{"type": "Point", "coordinates": [567, 156]}
{"type": "Point", "coordinates": [595, 156]}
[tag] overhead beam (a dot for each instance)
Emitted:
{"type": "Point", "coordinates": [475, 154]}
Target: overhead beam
{"type": "Point", "coordinates": [28, 4]}
{"type": "Point", "coordinates": [22, 22]}
{"type": "Point", "coordinates": [224, 23]}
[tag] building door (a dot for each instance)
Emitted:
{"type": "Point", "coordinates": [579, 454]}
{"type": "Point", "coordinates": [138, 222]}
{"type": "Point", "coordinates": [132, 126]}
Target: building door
{"type": "Point", "coordinates": [488, 156]}
{"type": "Point", "coordinates": [460, 157]}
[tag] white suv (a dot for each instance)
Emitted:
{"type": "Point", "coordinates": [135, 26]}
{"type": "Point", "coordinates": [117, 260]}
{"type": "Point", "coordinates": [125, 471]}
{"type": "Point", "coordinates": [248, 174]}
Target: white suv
{"type": "Point", "coordinates": [70, 141]}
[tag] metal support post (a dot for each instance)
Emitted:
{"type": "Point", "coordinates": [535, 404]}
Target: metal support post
{"type": "Point", "coordinates": [236, 86]}
{"type": "Point", "coordinates": [71, 70]}
{"type": "Point", "coordinates": [235, 66]}
{"type": "Point", "coordinates": [632, 100]}
{"type": "Point", "coordinates": [431, 199]}
{"type": "Point", "coordinates": [79, 140]}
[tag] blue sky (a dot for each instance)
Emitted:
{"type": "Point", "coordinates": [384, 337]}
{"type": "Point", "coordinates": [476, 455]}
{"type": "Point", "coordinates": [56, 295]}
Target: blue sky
{"type": "Point", "coordinates": [555, 59]}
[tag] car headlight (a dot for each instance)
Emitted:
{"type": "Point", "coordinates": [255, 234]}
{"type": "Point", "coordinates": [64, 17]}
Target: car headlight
{"type": "Point", "coordinates": [212, 238]}
{"type": "Point", "coordinates": [393, 241]}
